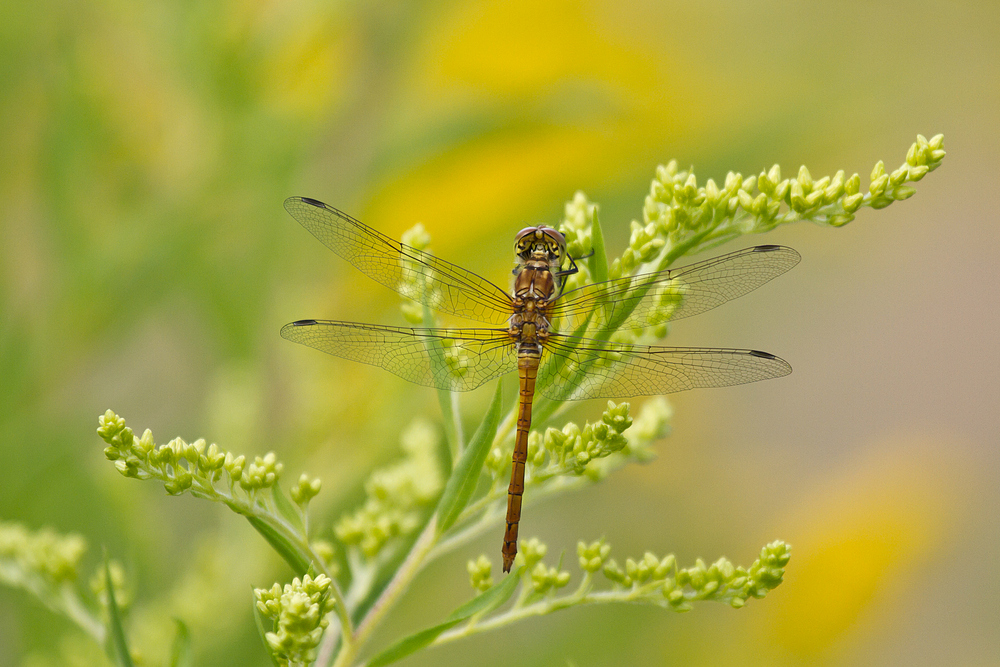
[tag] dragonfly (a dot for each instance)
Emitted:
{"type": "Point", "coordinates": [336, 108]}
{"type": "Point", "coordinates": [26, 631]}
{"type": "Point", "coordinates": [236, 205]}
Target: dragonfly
{"type": "Point", "coordinates": [537, 327]}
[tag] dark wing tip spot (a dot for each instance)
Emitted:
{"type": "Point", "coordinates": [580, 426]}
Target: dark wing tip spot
{"type": "Point", "coordinates": [313, 202]}
{"type": "Point", "coordinates": [304, 323]}
{"type": "Point", "coordinates": [766, 248]}
{"type": "Point", "coordinates": [753, 353]}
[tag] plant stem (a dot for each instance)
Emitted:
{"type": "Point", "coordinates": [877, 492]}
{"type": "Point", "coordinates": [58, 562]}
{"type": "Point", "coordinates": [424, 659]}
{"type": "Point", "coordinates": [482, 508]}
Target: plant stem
{"type": "Point", "coordinates": [538, 609]}
{"type": "Point", "coordinates": [400, 582]}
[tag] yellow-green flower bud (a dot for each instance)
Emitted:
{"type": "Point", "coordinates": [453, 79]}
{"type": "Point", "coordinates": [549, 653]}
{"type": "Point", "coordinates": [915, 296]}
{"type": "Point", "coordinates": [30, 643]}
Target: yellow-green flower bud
{"type": "Point", "coordinates": [781, 189]}
{"type": "Point", "coordinates": [902, 192]}
{"type": "Point", "coordinates": [592, 556]}
{"type": "Point", "coordinates": [853, 202]}
{"type": "Point", "coordinates": [617, 416]}
{"type": "Point", "coordinates": [853, 185]}
{"type": "Point", "coordinates": [712, 193]}
{"type": "Point", "coordinates": [805, 179]}
{"type": "Point", "coordinates": [533, 551]}
{"type": "Point", "coordinates": [878, 171]}
{"type": "Point", "coordinates": [544, 579]}
{"type": "Point", "coordinates": [878, 185]}
{"type": "Point", "coordinates": [899, 176]}
{"type": "Point", "coordinates": [480, 576]}
{"type": "Point", "coordinates": [305, 489]}
{"type": "Point", "coordinates": [798, 200]}
{"type": "Point", "coordinates": [840, 219]}
{"type": "Point", "coordinates": [665, 567]}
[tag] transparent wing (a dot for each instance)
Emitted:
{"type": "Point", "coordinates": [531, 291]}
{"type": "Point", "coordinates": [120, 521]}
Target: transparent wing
{"type": "Point", "coordinates": [653, 298]}
{"type": "Point", "coordinates": [452, 359]}
{"type": "Point", "coordinates": [413, 273]}
{"type": "Point", "coordinates": [578, 368]}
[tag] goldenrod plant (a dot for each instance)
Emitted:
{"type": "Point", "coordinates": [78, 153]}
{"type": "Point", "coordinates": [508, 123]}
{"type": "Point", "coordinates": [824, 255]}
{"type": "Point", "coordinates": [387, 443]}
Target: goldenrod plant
{"type": "Point", "coordinates": [350, 571]}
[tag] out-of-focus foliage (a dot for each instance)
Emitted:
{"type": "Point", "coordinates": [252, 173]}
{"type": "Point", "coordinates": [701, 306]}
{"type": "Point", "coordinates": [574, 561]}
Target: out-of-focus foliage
{"type": "Point", "coordinates": [146, 264]}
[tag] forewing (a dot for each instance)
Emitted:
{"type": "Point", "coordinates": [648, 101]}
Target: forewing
{"type": "Point", "coordinates": [578, 368]}
{"type": "Point", "coordinates": [653, 298]}
{"type": "Point", "coordinates": [413, 273]}
{"type": "Point", "coordinates": [451, 359]}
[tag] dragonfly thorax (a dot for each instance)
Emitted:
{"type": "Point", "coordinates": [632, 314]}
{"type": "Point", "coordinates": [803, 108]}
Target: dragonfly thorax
{"type": "Point", "coordinates": [534, 281]}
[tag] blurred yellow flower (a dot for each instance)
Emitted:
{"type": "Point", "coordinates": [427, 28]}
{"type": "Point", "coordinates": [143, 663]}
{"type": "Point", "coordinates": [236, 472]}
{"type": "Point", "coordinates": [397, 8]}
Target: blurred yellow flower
{"type": "Point", "coordinates": [860, 540]}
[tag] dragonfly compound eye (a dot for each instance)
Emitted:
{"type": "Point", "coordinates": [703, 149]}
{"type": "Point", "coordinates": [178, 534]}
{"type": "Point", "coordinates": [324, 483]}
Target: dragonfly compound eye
{"type": "Point", "coordinates": [555, 238]}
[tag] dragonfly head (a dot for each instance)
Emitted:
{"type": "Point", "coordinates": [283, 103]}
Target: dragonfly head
{"type": "Point", "coordinates": [540, 242]}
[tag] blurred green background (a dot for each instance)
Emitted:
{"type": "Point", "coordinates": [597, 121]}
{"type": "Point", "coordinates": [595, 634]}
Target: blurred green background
{"type": "Point", "coordinates": [146, 266]}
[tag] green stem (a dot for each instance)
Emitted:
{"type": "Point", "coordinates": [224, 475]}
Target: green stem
{"type": "Point", "coordinates": [544, 607]}
{"type": "Point", "coordinates": [400, 582]}
{"type": "Point", "coordinates": [451, 419]}
{"type": "Point", "coordinates": [79, 614]}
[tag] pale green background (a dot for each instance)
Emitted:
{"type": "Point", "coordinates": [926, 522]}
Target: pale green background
{"type": "Point", "coordinates": [146, 265]}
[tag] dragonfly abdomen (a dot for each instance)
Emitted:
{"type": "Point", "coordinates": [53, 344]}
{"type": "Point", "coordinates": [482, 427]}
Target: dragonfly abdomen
{"type": "Point", "coordinates": [527, 370]}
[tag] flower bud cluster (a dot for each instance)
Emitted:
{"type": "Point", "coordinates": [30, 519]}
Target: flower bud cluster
{"type": "Point", "coordinates": [533, 551]}
{"type": "Point", "coordinates": [577, 228]}
{"type": "Point", "coordinates": [414, 278]}
{"type": "Point", "coordinates": [305, 489]}
{"type": "Point", "coordinates": [593, 555]}
{"type": "Point", "coordinates": [543, 579]}
{"type": "Point", "coordinates": [720, 581]}
{"type": "Point", "coordinates": [480, 573]}
{"type": "Point", "coordinates": [43, 554]}
{"type": "Point", "coordinates": [571, 449]}
{"type": "Point", "coordinates": [681, 217]}
{"type": "Point", "coordinates": [182, 465]}
{"type": "Point", "coordinates": [594, 451]}
{"type": "Point", "coordinates": [299, 610]}
{"type": "Point", "coordinates": [398, 496]}
{"type": "Point", "coordinates": [652, 424]}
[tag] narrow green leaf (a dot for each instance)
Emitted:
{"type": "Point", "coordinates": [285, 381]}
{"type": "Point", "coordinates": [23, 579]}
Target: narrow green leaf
{"type": "Point", "coordinates": [411, 644]}
{"type": "Point", "coordinates": [180, 652]}
{"type": "Point", "coordinates": [599, 260]}
{"type": "Point", "coordinates": [465, 477]}
{"type": "Point", "coordinates": [116, 633]}
{"type": "Point", "coordinates": [285, 507]}
{"type": "Point", "coordinates": [258, 618]}
{"type": "Point", "coordinates": [490, 599]}
{"type": "Point", "coordinates": [485, 603]}
{"type": "Point", "coordinates": [278, 542]}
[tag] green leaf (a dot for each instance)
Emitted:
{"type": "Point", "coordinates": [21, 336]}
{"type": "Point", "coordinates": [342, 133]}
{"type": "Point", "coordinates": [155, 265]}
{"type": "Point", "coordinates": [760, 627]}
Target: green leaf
{"type": "Point", "coordinates": [491, 599]}
{"type": "Point", "coordinates": [465, 477]}
{"type": "Point", "coordinates": [285, 507]}
{"type": "Point", "coordinates": [281, 544]}
{"type": "Point", "coordinates": [599, 260]}
{"type": "Point", "coordinates": [411, 644]}
{"type": "Point", "coordinates": [258, 618]}
{"type": "Point", "coordinates": [116, 633]}
{"type": "Point", "coordinates": [180, 652]}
